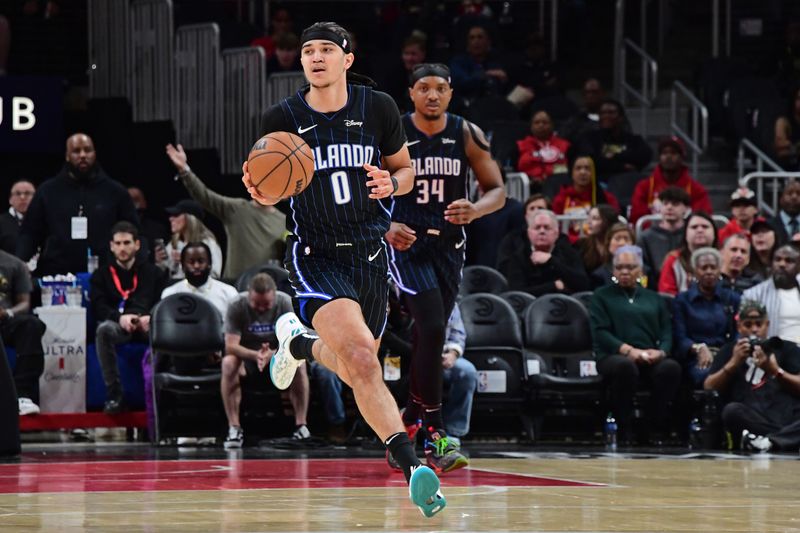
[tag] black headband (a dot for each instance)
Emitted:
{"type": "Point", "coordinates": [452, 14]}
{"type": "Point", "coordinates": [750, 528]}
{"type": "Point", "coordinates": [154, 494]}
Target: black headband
{"type": "Point", "coordinates": [326, 35]}
{"type": "Point", "coordinates": [429, 69]}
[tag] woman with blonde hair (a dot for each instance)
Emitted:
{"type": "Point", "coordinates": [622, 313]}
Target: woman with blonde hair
{"type": "Point", "coordinates": [186, 226]}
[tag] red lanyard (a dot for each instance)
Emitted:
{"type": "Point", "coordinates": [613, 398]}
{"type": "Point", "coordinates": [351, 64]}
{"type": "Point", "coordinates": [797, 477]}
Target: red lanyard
{"type": "Point", "coordinates": [118, 285]}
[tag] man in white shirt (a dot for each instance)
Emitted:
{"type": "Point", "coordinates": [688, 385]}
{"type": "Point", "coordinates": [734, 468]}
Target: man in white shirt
{"type": "Point", "coordinates": [196, 263]}
{"type": "Point", "coordinates": [781, 294]}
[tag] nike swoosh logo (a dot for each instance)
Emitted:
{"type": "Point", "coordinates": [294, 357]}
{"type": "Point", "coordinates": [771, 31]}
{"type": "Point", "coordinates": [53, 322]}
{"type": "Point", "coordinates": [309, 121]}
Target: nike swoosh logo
{"type": "Point", "coordinates": [411, 143]}
{"type": "Point", "coordinates": [301, 130]}
{"type": "Point", "coordinates": [373, 256]}
{"type": "Point", "coordinates": [460, 244]}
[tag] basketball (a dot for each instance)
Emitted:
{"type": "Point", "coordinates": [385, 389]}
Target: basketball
{"type": "Point", "coordinates": [281, 165]}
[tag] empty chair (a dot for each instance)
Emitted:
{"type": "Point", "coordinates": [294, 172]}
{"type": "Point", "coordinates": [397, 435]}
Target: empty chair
{"type": "Point", "coordinates": [519, 301]}
{"type": "Point", "coordinates": [558, 338]}
{"type": "Point", "coordinates": [584, 297]}
{"type": "Point", "coordinates": [479, 278]}
{"type": "Point", "coordinates": [494, 346]}
{"type": "Point", "coordinates": [185, 329]}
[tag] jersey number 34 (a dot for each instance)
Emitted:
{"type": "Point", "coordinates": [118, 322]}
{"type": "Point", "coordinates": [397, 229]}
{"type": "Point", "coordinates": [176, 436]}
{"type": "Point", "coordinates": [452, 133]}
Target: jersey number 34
{"type": "Point", "coordinates": [430, 188]}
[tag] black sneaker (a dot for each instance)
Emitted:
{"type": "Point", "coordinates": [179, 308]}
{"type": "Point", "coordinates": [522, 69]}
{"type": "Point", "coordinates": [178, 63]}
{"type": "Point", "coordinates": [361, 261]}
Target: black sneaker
{"type": "Point", "coordinates": [114, 406]}
{"type": "Point", "coordinates": [442, 453]}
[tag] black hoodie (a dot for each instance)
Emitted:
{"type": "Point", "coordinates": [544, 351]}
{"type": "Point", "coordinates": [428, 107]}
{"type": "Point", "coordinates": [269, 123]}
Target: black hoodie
{"type": "Point", "coordinates": [48, 222]}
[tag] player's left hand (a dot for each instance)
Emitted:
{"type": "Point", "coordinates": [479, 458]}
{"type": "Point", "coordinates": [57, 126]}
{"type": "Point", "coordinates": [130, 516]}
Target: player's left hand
{"type": "Point", "coordinates": [381, 182]}
{"type": "Point", "coordinates": [462, 211]}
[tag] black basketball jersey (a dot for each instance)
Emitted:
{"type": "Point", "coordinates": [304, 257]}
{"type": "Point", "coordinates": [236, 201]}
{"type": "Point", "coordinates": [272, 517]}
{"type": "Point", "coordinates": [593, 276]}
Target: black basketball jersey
{"type": "Point", "coordinates": [441, 166]}
{"type": "Point", "coordinates": [335, 209]}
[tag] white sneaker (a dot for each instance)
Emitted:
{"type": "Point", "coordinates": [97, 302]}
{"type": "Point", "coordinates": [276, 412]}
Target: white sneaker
{"type": "Point", "coordinates": [235, 438]}
{"type": "Point", "coordinates": [27, 407]}
{"type": "Point", "coordinates": [187, 441]}
{"type": "Point", "coordinates": [283, 366]}
{"type": "Point", "coordinates": [755, 443]}
{"type": "Point", "coordinates": [301, 433]}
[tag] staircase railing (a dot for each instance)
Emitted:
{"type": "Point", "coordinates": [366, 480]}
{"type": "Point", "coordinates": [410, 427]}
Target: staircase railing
{"type": "Point", "coordinates": [697, 138]}
{"type": "Point", "coordinates": [646, 93]}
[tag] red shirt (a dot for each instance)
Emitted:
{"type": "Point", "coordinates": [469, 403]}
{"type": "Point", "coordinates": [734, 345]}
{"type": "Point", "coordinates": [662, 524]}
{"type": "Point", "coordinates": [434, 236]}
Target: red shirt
{"type": "Point", "coordinates": [732, 228]}
{"type": "Point", "coordinates": [569, 201]}
{"type": "Point", "coordinates": [645, 195]}
{"type": "Point", "coordinates": [541, 159]}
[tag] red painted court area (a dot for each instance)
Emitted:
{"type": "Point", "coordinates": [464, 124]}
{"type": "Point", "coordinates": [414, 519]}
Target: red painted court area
{"type": "Point", "coordinates": [117, 476]}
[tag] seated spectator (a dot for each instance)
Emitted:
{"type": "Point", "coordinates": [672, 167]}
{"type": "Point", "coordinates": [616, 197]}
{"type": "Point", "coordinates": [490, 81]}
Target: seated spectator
{"type": "Point", "coordinates": [761, 384]}
{"type": "Point", "coordinates": [122, 295]}
{"type": "Point", "coordinates": [287, 55]}
{"type": "Point", "coordinates": [21, 330]}
{"type": "Point", "coordinates": [250, 342]}
{"type": "Point", "coordinates": [413, 53]}
{"type": "Point", "coordinates": [780, 294]}
{"type": "Point", "coordinates": [660, 239]}
{"type": "Point", "coordinates": [744, 208]}
{"type": "Point", "coordinates": [787, 134]}
{"type": "Point", "coordinates": [460, 377]}
{"type": "Point", "coordinates": [613, 148]}
{"type": "Point", "coordinates": [736, 275]}
{"type": "Point", "coordinates": [196, 264]}
{"type": "Point", "coordinates": [592, 247]}
{"type": "Point", "coordinates": [71, 213]}
{"type": "Point", "coordinates": [764, 243]}
{"type": "Point", "coordinates": [676, 271]}
{"type": "Point", "coordinates": [479, 70]}
{"type": "Point", "coordinates": [787, 222]}
{"type": "Point", "coordinates": [535, 202]}
{"type": "Point", "coordinates": [533, 263]}
{"type": "Point", "coordinates": [19, 199]}
{"type": "Point", "coordinates": [280, 22]}
{"type": "Point", "coordinates": [543, 153]}
{"type": "Point", "coordinates": [186, 226]}
{"type": "Point", "coordinates": [534, 71]}
{"type": "Point", "coordinates": [582, 195]}
{"type": "Point", "coordinates": [153, 231]}
{"type": "Point", "coordinates": [670, 172]}
{"type": "Point", "coordinates": [702, 319]}
{"type": "Point", "coordinates": [617, 236]}
{"type": "Point", "coordinates": [588, 118]}
{"type": "Point", "coordinates": [632, 338]}
{"type": "Point", "coordinates": [255, 231]}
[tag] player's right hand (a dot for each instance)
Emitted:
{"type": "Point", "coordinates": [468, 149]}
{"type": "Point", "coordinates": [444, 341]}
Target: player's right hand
{"type": "Point", "coordinates": [400, 236]}
{"type": "Point", "coordinates": [253, 192]}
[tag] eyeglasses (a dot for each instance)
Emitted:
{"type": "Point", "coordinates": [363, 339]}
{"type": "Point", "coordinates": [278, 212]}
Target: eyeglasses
{"type": "Point", "coordinates": [628, 267]}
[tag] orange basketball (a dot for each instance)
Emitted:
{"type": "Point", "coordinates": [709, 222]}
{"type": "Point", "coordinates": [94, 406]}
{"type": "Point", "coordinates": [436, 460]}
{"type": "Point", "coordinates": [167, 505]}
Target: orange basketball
{"type": "Point", "coordinates": [281, 165]}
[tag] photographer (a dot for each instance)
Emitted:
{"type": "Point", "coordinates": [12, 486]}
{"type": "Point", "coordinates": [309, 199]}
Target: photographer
{"type": "Point", "coordinates": [760, 378]}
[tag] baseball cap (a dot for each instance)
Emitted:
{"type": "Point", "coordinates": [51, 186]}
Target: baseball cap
{"type": "Point", "coordinates": [752, 309]}
{"type": "Point", "coordinates": [760, 225]}
{"type": "Point", "coordinates": [674, 142]}
{"type": "Point", "coordinates": [743, 196]}
{"type": "Point", "coordinates": [189, 207]}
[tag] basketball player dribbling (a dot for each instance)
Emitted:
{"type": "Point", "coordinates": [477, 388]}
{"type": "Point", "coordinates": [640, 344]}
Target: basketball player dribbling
{"type": "Point", "coordinates": [428, 243]}
{"type": "Point", "coordinates": [336, 255]}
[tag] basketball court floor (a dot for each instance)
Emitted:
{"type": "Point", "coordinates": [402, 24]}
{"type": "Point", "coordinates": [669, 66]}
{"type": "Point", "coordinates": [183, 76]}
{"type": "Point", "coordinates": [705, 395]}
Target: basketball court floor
{"type": "Point", "coordinates": [124, 487]}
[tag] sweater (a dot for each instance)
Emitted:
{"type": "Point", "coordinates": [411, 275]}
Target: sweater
{"type": "Point", "coordinates": [541, 159]}
{"type": "Point", "coordinates": [255, 234]}
{"type": "Point", "coordinates": [616, 320]}
{"type": "Point", "coordinates": [645, 194]}
{"type": "Point", "coordinates": [656, 243]}
{"type": "Point", "coordinates": [48, 221]}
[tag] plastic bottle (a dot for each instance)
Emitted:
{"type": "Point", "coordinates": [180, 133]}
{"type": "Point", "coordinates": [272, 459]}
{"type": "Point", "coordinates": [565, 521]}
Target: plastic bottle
{"type": "Point", "coordinates": [695, 434]}
{"type": "Point", "coordinates": [610, 432]}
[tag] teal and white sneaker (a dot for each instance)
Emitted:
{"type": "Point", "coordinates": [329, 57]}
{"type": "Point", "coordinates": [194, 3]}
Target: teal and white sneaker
{"type": "Point", "coordinates": [423, 489]}
{"type": "Point", "coordinates": [283, 365]}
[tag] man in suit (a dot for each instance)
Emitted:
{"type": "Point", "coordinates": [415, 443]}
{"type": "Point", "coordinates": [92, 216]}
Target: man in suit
{"type": "Point", "coordinates": [787, 221]}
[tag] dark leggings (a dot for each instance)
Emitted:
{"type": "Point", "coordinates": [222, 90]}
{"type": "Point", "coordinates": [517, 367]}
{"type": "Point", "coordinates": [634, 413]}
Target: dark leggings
{"type": "Point", "coordinates": [430, 324]}
{"type": "Point", "coordinates": [737, 417]}
{"type": "Point", "coordinates": [624, 376]}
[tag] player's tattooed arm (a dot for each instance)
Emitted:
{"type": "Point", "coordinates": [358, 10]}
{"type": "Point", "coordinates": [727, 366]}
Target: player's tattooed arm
{"type": "Point", "coordinates": [487, 172]}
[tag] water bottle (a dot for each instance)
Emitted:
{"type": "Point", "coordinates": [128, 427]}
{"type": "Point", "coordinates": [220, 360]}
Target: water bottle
{"type": "Point", "coordinates": [610, 432]}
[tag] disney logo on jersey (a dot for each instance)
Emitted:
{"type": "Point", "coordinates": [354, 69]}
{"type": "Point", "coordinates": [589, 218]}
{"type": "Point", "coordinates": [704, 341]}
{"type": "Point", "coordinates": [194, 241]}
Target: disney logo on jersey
{"type": "Point", "coordinates": [349, 123]}
{"type": "Point", "coordinates": [446, 140]}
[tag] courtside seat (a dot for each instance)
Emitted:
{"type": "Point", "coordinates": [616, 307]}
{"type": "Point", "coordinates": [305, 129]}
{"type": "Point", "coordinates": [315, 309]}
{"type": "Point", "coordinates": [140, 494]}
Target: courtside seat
{"type": "Point", "coordinates": [479, 278]}
{"type": "Point", "coordinates": [185, 333]}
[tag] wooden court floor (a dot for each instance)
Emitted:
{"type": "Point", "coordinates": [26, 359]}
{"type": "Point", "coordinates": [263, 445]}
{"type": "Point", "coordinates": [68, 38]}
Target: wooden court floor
{"type": "Point", "coordinates": [520, 492]}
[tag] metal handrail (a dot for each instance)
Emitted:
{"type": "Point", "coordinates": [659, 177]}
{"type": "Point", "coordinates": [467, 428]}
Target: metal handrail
{"type": "Point", "coordinates": [698, 139]}
{"type": "Point", "coordinates": [553, 26]}
{"type": "Point", "coordinates": [773, 177]}
{"type": "Point", "coordinates": [715, 28]}
{"type": "Point", "coordinates": [761, 158]}
{"type": "Point", "coordinates": [649, 88]}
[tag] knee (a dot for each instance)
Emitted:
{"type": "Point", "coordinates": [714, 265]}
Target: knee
{"type": "Point", "coordinates": [230, 366]}
{"type": "Point", "coordinates": [363, 363]}
{"type": "Point", "coordinates": [731, 414]}
{"type": "Point", "coordinates": [465, 372]}
{"type": "Point", "coordinates": [106, 328]}
{"type": "Point", "coordinates": [670, 369]}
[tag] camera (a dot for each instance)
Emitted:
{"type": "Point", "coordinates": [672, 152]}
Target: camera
{"type": "Point", "coordinates": [768, 345]}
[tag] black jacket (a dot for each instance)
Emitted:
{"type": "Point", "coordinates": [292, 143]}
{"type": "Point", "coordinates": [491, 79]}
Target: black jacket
{"type": "Point", "coordinates": [106, 299]}
{"type": "Point", "coordinates": [9, 233]}
{"type": "Point", "coordinates": [48, 222]}
{"type": "Point", "coordinates": [514, 262]}
{"type": "Point", "coordinates": [612, 152]}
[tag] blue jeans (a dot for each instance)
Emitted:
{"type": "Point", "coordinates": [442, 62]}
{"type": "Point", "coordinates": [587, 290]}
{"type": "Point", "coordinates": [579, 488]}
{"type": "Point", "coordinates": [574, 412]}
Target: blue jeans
{"type": "Point", "coordinates": [330, 389]}
{"type": "Point", "coordinates": [697, 374]}
{"type": "Point", "coordinates": [462, 380]}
